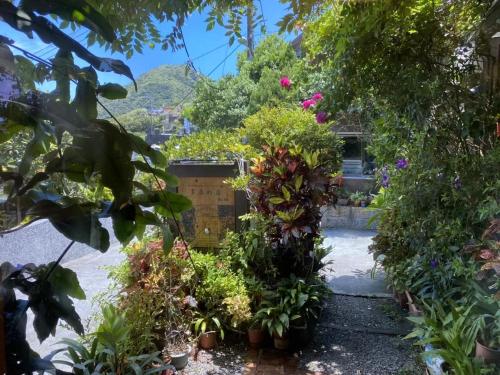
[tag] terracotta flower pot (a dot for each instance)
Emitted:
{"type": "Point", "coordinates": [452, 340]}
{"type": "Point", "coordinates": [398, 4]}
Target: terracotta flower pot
{"type": "Point", "coordinates": [256, 337]}
{"type": "Point", "coordinates": [208, 340]}
{"type": "Point", "coordinates": [487, 354]}
{"type": "Point", "coordinates": [401, 299]}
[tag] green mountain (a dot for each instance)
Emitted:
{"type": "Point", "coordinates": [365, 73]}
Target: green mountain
{"type": "Point", "coordinates": [166, 85]}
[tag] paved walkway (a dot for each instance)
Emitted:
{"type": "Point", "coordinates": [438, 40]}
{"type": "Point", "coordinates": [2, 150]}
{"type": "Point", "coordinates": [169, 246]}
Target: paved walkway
{"type": "Point", "coordinates": [93, 279]}
{"type": "Point", "coordinates": [361, 329]}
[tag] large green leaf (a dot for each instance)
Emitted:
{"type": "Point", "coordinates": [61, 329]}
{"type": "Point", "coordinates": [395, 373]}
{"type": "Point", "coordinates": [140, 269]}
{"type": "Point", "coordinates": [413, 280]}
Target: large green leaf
{"type": "Point", "coordinates": [77, 222]}
{"type": "Point", "coordinates": [50, 33]}
{"type": "Point", "coordinates": [124, 226]}
{"type": "Point", "coordinates": [65, 281]}
{"type": "Point", "coordinates": [79, 11]}
{"type": "Point", "coordinates": [63, 68]}
{"type": "Point", "coordinates": [170, 179]}
{"type": "Point", "coordinates": [112, 91]}
{"type": "Point", "coordinates": [85, 101]}
{"type": "Point", "coordinates": [172, 203]}
{"type": "Point", "coordinates": [144, 149]}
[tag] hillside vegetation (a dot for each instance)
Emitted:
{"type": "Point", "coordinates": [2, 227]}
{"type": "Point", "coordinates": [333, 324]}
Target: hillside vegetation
{"type": "Point", "coordinates": [163, 86]}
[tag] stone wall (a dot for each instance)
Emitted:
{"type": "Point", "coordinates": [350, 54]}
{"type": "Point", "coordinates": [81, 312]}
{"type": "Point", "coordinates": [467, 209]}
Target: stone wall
{"type": "Point", "coordinates": [348, 217]}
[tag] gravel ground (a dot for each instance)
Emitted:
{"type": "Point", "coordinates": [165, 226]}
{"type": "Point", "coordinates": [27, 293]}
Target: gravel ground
{"type": "Point", "coordinates": [338, 350]}
{"type": "Point", "coordinates": [225, 360]}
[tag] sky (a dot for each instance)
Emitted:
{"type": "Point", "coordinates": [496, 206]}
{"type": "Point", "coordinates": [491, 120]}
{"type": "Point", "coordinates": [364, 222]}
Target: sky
{"type": "Point", "coordinates": [198, 41]}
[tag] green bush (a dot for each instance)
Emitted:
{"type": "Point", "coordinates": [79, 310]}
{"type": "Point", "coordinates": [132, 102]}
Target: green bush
{"type": "Point", "coordinates": [293, 126]}
{"type": "Point", "coordinates": [212, 144]}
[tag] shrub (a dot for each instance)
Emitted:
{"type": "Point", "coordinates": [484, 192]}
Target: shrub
{"type": "Point", "coordinates": [288, 188]}
{"type": "Point", "coordinates": [290, 127]}
{"type": "Point", "coordinates": [212, 144]}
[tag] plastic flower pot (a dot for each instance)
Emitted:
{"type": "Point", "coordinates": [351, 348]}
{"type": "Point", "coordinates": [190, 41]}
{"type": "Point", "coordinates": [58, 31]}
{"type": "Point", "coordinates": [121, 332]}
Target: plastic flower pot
{"type": "Point", "coordinates": [208, 340]}
{"type": "Point", "coordinates": [256, 337]}
{"type": "Point", "coordinates": [280, 342]}
{"type": "Point", "coordinates": [487, 354]}
{"type": "Point", "coordinates": [363, 203]}
{"type": "Point", "coordinates": [180, 359]}
{"type": "Point", "coordinates": [302, 335]}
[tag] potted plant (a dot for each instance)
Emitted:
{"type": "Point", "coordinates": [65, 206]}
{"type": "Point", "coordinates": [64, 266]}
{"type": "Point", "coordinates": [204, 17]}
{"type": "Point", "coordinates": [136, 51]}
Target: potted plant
{"type": "Point", "coordinates": [177, 350]}
{"type": "Point", "coordinates": [275, 317]}
{"type": "Point", "coordinates": [488, 342]}
{"type": "Point", "coordinates": [356, 198]}
{"type": "Point", "coordinates": [205, 328]}
{"type": "Point", "coordinates": [343, 197]}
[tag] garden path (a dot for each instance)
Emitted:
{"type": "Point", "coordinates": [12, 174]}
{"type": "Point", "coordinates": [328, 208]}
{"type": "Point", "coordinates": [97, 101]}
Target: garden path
{"type": "Point", "coordinates": [93, 277]}
{"type": "Point", "coordinates": [361, 329]}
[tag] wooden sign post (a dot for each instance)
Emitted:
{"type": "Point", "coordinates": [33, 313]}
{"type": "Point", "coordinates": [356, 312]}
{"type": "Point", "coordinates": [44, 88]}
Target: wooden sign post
{"type": "Point", "coordinates": [216, 206]}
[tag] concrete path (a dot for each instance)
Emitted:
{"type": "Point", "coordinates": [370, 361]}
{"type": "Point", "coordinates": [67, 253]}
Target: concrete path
{"type": "Point", "coordinates": [350, 264]}
{"type": "Point", "coordinates": [41, 243]}
{"type": "Point", "coordinates": [93, 279]}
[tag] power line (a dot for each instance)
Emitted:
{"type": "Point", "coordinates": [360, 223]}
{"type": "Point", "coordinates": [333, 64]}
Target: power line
{"type": "Point", "coordinates": [49, 46]}
{"type": "Point", "coordinates": [81, 37]}
{"type": "Point", "coordinates": [208, 75]}
{"type": "Point", "coordinates": [262, 12]}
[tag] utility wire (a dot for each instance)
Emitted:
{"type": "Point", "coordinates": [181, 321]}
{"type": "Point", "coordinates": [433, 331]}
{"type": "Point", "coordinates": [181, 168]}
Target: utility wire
{"type": "Point", "coordinates": [208, 75]}
{"type": "Point", "coordinates": [262, 12]}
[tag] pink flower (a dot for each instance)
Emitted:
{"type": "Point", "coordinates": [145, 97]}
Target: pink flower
{"type": "Point", "coordinates": [317, 96]}
{"type": "Point", "coordinates": [306, 104]}
{"type": "Point", "coordinates": [321, 117]}
{"type": "Point", "coordinates": [285, 82]}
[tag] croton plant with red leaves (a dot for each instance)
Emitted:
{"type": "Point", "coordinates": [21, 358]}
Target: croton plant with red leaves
{"type": "Point", "coordinates": [289, 186]}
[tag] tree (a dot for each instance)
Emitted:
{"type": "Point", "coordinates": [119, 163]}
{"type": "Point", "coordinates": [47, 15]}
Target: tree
{"type": "Point", "coordinates": [225, 103]}
{"type": "Point", "coordinates": [74, 147]}
{"type": "Point", "coordinates": [221, 104]}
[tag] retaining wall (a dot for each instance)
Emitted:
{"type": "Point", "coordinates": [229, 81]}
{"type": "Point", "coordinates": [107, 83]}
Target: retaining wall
{"type": "Point", "coordinates": [348, 217]}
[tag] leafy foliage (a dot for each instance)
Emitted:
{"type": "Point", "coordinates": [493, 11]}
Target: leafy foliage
{"type": "Point", "coordinates": [291, 127]}
{"type": "Point", "coordinates": [221, 104]}
{"type": "Point", "coordinates": [208, 145]}
{"type": "Point", "coordinates": [105, 353]}
{"type": "Point", "coordinates": [415, 72]}
{"type": "Point", "coordinates": [288, 188]}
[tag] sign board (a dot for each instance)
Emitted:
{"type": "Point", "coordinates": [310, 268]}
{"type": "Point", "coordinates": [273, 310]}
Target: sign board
{"type": "Point", "coordinates": [216, 206]}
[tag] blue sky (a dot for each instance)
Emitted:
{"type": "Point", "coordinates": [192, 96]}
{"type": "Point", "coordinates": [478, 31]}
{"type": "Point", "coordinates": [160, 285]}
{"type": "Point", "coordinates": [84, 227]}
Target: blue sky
{"type": "Point", "coordinates": [198, 42]}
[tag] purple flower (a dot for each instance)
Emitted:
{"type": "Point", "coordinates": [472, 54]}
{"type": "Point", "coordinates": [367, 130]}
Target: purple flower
{"type": "Point", "coordinates": [402, 164]}
{"type": "Point", "coordinates": [321, 117]}
{"type": "Point", "coordinates": [385, 178]}
{"type": "Point", "coordinates": [434, 263]}
{"type": "Point", "coordinates": [457, 183]}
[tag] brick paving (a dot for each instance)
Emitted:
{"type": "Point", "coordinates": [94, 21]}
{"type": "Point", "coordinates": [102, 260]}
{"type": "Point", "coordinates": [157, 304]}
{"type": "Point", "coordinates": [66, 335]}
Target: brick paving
{"type": "Point", "coordinates": [273, 362]}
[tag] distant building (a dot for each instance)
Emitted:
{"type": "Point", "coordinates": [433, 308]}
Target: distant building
{"type": "Point", "coordinates": [172, 125]}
